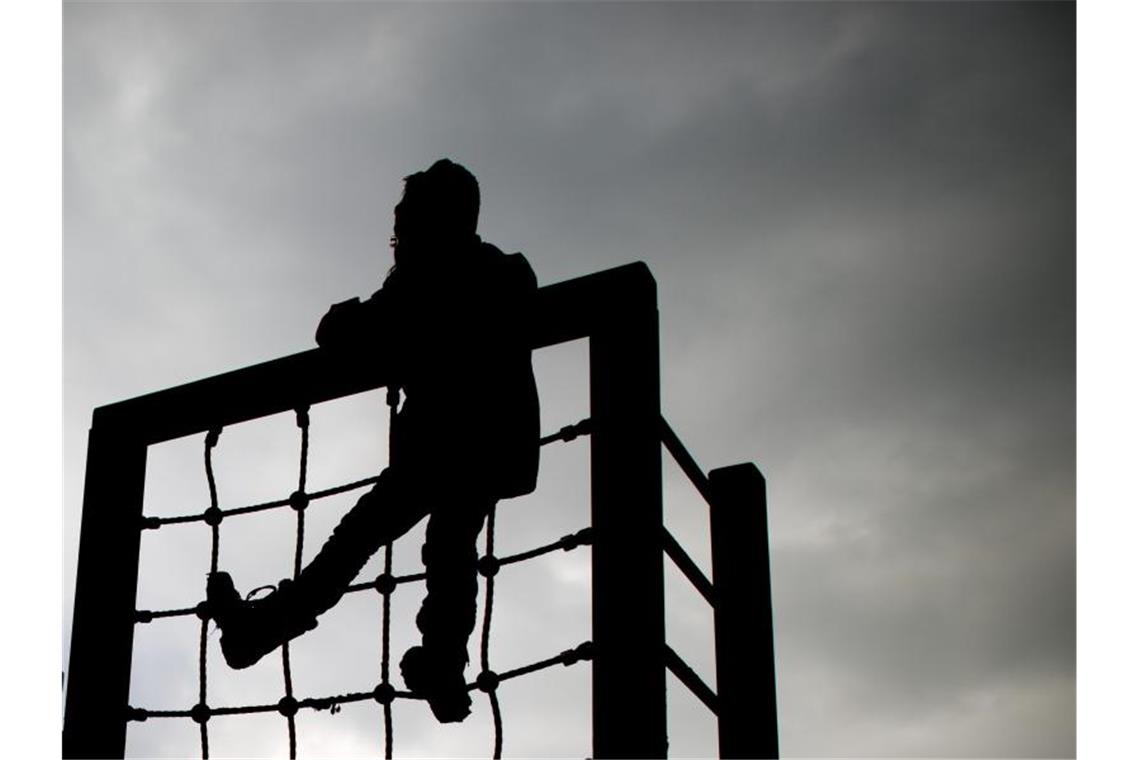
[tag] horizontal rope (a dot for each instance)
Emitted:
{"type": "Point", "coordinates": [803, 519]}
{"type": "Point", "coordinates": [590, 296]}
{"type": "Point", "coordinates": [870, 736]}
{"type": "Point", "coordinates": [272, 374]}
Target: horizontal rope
{"type": "Point", "coordinates": [158, 522]}
{"type": "Point", "coordinates": [584, 651]}
{"type": "Point", "coordinates": [285, 705]}
{"type": "Point", "coordinates": [380, 694]}
{"type": "Point", "coordinates": [379, 583]}
{"type": "Point", "coordinates": [566, 543]}
{"type": "Point", "coordinates": [568, 433]}
{"type": "Point", "coordinates": [583, 537]}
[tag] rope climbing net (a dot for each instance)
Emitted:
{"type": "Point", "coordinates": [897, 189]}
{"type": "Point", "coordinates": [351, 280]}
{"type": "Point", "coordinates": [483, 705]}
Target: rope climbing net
{"type": "Point", "coordinates": [617, 311]}
{"type": "Point", "coordinates": [385, 584]}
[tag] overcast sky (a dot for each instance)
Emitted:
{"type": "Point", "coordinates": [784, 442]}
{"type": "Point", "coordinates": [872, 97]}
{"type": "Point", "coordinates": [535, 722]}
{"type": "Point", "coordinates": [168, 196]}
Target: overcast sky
{"type": "Point", "coordinates": [861, 222]}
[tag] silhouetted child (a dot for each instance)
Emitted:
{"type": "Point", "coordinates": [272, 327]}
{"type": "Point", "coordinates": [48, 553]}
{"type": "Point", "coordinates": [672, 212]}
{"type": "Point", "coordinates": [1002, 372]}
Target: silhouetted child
{"type": "Point", "coordinates": [452, 319]}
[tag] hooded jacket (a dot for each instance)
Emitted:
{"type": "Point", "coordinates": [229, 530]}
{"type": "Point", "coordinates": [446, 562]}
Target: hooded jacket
{"type": "Point", "coordinates": [456, 332]}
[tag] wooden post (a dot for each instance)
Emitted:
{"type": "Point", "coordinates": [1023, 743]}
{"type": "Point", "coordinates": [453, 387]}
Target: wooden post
{"type": "Point", "coordinates": [745, 667]}
{"type": "Point", "coordinates": [102, 629]}
{"type": "Point", "coordinates": [628, 581]}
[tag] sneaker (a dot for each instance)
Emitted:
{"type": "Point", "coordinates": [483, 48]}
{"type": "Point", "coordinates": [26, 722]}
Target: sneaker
{"type": "Point", "coordinates": [252, 629]}
{"type": "Point", "coordinates": [439, 682]}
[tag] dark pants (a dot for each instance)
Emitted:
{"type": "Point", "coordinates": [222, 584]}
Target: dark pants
{"type": "Point", "coordinates": [400, 499]}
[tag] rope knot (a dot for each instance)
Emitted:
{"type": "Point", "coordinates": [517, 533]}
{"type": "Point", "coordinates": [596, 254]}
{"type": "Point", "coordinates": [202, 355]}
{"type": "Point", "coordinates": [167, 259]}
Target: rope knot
{"type": "Point", "coordinates": [298, 500]}
{"type": "Point", "coordinates": [287, 706]}
{"type": "Point", "coordinates": [384, 693]}
{"type": "Point", "coordinates": [584, 651]}
{"type": "Point", "coordinates": [489, 565]}
{"type": "Point", "coordinates": [200, 713]}
{"type": "Point", "coordinates": [568, 433]}
{"type": "Point", "coordinates": [574, 540]}
{"type": "Point", "coordinates": [487, 681]}
{"type": "Point", "coordinates": [385, 583]}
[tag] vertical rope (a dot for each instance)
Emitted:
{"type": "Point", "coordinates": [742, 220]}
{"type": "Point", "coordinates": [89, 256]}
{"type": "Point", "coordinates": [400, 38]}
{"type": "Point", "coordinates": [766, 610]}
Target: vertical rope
{"type": "Point", "coordinates": [213, 519]}
{"type": "Point", "coordinates": [392, 397]}
{"type": "Point", "coordinates": [385, 652]}
{"type": "Point", "coordinates": [485, 642]}
{"type": "Point", "coordinates": [303, 423]}
{"type": "Point", "coordinates": [289, 720]}
{"type": "Point", "coordinates": [299, 501]}
{"type": "Point", "coordinates": [211, 442]}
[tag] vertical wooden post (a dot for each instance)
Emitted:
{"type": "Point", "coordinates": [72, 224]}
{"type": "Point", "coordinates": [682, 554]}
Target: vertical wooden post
{"type": "Point", "coordinates": [628, 582]}
{"type": "Point", "coordinates": [102, 628]}
{"type": "Point", "coordinates": [745, 666]}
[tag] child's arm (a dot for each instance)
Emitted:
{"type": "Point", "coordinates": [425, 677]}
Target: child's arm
{"type": "Point", "coordinates": [349, 324]}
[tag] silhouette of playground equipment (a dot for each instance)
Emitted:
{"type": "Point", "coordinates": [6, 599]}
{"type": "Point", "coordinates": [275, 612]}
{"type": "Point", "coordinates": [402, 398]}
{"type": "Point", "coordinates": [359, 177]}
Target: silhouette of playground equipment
{"type": "Point", "coordinates": [617, 311]}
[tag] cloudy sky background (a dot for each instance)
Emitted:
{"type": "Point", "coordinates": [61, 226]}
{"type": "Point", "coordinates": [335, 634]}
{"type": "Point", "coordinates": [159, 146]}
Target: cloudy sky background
{"type": "Point", "coordinates": [860, 218]}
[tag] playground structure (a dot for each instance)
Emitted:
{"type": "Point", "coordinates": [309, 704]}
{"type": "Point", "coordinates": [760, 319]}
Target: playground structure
{"type": "Point", "coordinates": [616, 310]}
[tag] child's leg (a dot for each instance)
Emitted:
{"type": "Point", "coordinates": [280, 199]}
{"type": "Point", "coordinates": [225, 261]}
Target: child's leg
{"type": "Point", "coordinates": [252, 629]}
{"type": "Point", "coordinates": [389, 510]}
{"type": "Point", "coordinates": [447, 616]}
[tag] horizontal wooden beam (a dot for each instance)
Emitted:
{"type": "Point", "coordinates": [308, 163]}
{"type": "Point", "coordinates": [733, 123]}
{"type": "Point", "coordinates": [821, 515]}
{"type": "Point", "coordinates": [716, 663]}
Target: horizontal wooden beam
{"type": "Point", "coordinates": [566, 311]}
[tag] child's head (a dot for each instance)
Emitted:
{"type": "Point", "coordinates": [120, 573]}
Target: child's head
{"type": "Point", "coordinates": [439, 210]}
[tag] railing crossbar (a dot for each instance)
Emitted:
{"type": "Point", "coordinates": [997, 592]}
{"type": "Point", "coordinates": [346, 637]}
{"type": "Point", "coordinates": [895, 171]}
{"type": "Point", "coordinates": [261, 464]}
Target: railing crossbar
{"type": "Point", "coordinates": [686, 462]}
{"type": "Point", "coordinates": [688, 676]}
{"type": "Point", "coordinates": [686, 565]}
